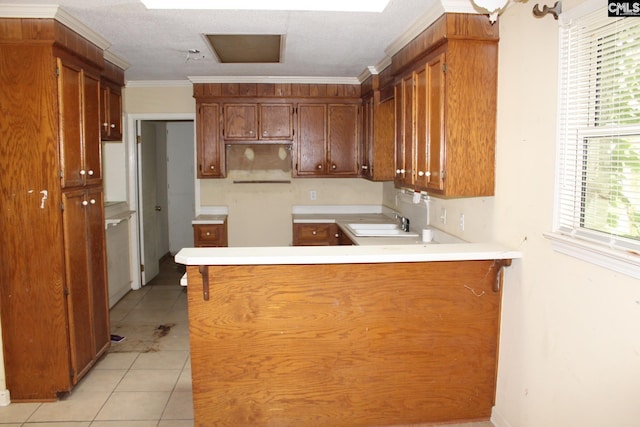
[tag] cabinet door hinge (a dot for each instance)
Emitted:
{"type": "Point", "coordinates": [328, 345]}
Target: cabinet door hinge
{"type": "Point", "coordinates": [444, 68]}
{"type": "Point", "coordinates": [66, 292]}
{"type": "Point", "coordinates": [139, 139]}
{"type": "Point", "coordinates": [141, 268]}
{"type": "Point", "coordinates": [57, 71]}
{"type": "Point", "coordinates": [62, 206]}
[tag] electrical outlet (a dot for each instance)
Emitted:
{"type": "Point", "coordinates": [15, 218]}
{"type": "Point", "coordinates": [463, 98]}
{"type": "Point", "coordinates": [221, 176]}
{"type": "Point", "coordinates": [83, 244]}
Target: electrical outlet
{"type": "Point", "coordinates": [461, 222]}
{"type": "Point", "coordinates": [443, 216]}
{"type": "Point", "coordinates": [313, 195]}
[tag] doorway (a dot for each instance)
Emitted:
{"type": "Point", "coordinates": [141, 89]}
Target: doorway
{"type": "Point", "coordinates": [162, 188]}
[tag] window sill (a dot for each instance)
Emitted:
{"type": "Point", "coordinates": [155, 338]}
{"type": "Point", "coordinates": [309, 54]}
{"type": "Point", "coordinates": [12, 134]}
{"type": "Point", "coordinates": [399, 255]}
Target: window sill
{"type": "Point", "coordinates": [625, 262]}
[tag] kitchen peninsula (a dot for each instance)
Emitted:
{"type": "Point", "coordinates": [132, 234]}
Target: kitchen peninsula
{"type": "Point", "coordinates": [344, 335]}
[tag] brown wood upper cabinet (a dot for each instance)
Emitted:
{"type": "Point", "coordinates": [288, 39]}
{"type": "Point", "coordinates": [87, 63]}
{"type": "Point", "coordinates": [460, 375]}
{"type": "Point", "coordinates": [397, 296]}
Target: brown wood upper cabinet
{"type": "Point", "coordinates": [80, 148]}
{"type": "Point", "coordinates": [328, 137]}
{"type": "Point", "coordinates": [445, 111]}
{"type": "Point", "coordinates": [258, 122]}
{"type": "Point", "coordinates": [210, 151]}
{"type": "Point", "coordinates": [376, 152]}
{"type": "Point", "coordinates": [111, 82]}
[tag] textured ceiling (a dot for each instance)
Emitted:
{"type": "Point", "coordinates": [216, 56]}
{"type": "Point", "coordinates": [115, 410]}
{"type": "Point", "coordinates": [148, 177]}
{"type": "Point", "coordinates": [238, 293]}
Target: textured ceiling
{"type": "Point", "coordinates": [318, 44]}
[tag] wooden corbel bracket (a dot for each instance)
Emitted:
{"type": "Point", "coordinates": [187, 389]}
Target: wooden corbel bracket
{"type": "Point", "coordinates": [500, 264]}
{"type": "Point", "coordinates": [204, 272]}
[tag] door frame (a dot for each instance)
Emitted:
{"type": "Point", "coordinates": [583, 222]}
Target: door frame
{"type": "Point", "coordinates": [131, 147]}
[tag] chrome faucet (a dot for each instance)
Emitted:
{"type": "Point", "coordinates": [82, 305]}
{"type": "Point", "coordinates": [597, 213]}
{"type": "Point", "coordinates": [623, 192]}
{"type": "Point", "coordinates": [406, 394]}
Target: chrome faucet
{"type": "Point", "coordinates": [404, 222]}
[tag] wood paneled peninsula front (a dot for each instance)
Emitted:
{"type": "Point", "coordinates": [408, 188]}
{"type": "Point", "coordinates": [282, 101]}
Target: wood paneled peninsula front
{"type": "Point", "coordinates": [344, 335]}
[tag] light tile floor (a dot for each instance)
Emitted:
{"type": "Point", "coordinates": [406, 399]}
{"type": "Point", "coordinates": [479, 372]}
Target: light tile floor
{"type": "Point", "coordinates": [144, 381]}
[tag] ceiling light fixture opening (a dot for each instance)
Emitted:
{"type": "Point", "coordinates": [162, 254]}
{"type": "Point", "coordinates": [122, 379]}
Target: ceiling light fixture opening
{"type": "Point", "coordinates": [247, 48]}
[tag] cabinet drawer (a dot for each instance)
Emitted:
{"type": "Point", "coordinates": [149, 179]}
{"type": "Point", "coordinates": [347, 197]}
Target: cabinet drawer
{"type": "Point", "coordinates": [210, 235]}
{"type": "Point", "coordinates": [314, 234]}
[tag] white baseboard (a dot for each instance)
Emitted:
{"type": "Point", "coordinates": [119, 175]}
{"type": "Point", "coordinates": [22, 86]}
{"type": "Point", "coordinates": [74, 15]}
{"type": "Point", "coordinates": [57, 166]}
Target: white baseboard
{"type": "Point", "coordinates": [5, 399]}
{"type": "Point", "coordinates": [497, 419]}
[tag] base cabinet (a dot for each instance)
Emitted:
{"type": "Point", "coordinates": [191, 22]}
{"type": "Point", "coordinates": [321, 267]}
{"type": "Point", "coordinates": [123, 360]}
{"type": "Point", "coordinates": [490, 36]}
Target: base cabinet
{"type": "Point", "coordinates": [210, 235]}
{"type": "Point", "coordinates": [344, 344]}
{"type": "Point", "coordinates": [319, 234]}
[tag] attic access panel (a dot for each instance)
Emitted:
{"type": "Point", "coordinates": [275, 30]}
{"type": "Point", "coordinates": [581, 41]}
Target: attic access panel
{"type": "Point", "coordinates": [246, 48]}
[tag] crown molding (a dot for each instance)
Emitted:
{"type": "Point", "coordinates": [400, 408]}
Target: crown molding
{"type": "Point", "coordinates": [53, 12]}
{"type": "Point", "coordinates": [115, 59]}
{"type": "Point", "coordinates": [275, 79]}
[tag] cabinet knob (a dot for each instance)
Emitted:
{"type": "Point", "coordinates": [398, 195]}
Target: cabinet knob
{"type": "Point", "coordinates": [337, 235]}
{"type": "Point", "coordinates": [92, 201]}
{"type": "Point", "coordinates": [334, 167]}
{"type": "Point", "coordinates": [314, 232]}
{"type": "Point", "coordinates": [105, 124]}
{"type": "Point", "coordinates": [212, 167]}
{"type": "Point", "coordinates": [83, 172]}
{"type": "Point", "coordinates": [365, 167]}
{"type": "Point", "coordinates": [208, 233]}
{"type": "Point", "coordinates": [399, 171]}
{"type": "Point", "coordinates": [420, 173]}
{"type": "Point", "coordinates": [90, 173]}
{"type": "Point", "coordinates": [265, 133]}
{"type": "Point", "coordinates": [319, 166]}
{"type": "Point", "coordinates": [85, 203]}
{"type": "Point", "coordinates": [250, 132]}
{"type": "Point", "coordinates": [427, 173]}
{"type": "Point", "coordinates": [113, 126]}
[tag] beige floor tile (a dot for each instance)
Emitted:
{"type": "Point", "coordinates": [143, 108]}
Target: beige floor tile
{"type": "Point", "coordinates": [184, 381]}
{"type": "Point", "coordinates": [179, 407]}
{"type": "Point", "coordinates": [175, 423]}
{"type": "Point", "coordinates": [117, 361]}
{"type": "Point", "coordinates": [149, 380]}
{"type": "Point", "coordinates": [161, 360]}
{"type": "Point", "coordinates": [75, 407]}
{"type": "Point", "coordinates": [60, 424]}
{"type": "Point", "coordinates": [144, 423]}
{"type": "Point", "coordinates": [133, 405]}
{"type": "Point", "coordinates": [17, 412]}
{"type": "Point", "coordinates": [100, 380]}
{"type": "Point", "coordinates": [10, 424]}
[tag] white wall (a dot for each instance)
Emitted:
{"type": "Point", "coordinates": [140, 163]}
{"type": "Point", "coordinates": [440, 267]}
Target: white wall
{"type": "Point", "coordinates": [570, 339]}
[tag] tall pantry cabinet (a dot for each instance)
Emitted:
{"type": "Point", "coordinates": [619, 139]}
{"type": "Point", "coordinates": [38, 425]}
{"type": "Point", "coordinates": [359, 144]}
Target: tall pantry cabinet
{"type": "Point", "coordinates": [53, 287]}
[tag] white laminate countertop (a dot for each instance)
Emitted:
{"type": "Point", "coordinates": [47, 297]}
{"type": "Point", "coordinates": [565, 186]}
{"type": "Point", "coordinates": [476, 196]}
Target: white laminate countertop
{"type": "Point", "coordinates": [344, 254]}
{"type": "Point", "coordinates": [209, 219]}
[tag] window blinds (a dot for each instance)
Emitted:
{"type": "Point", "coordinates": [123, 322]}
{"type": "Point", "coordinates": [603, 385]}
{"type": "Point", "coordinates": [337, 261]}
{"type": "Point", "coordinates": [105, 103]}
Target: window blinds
{"type": "Point", "coordinates": [598, 187]}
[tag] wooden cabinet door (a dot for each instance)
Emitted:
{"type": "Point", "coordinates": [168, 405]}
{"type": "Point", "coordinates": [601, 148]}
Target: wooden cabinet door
{"type": "Point", "coordinates": [367, 144]}
{"type": "Point", "coordinates": [276, 122]}
{"type": "Point", "coordinates": [436, 123]}
{"type": "Point", "coordinates": [115, 114]}
{"type": "Point", "coordinates": [311, 234]}
{"type": "Point", "coordinates": [70, 107]}
{"type": "Point", "coordinates": [98, 270]}
{"type": "Point", "coordinates": [79, 104]}
{"type": "Point", "coordinates": [91, 141]}
{"type": "Point", "coordinates": [404, 131]}
{"type": "Point", "coordinates": [240, 122]}
{"type": "Point", "coordinates": [342, 131]}
{"type": "Point", "coordinates": [311, 146]}
{"type": "Point", "coordinates": [79, 298]}
{"type": "Point", "coordinates": [210, 152]}
{"type": "Point", "coordinates": [110, 113]}
{"type": "Point", "coordinates": [421, 135]}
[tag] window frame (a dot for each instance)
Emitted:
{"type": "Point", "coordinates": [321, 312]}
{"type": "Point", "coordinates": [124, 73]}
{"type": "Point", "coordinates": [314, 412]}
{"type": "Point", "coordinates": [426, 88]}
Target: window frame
{"type": "Point", "coordinates": [617, 253]}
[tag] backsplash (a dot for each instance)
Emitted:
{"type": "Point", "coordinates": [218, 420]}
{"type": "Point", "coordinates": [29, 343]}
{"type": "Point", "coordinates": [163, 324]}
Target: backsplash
{"type": "Point", "coordinates": [444, 214]}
